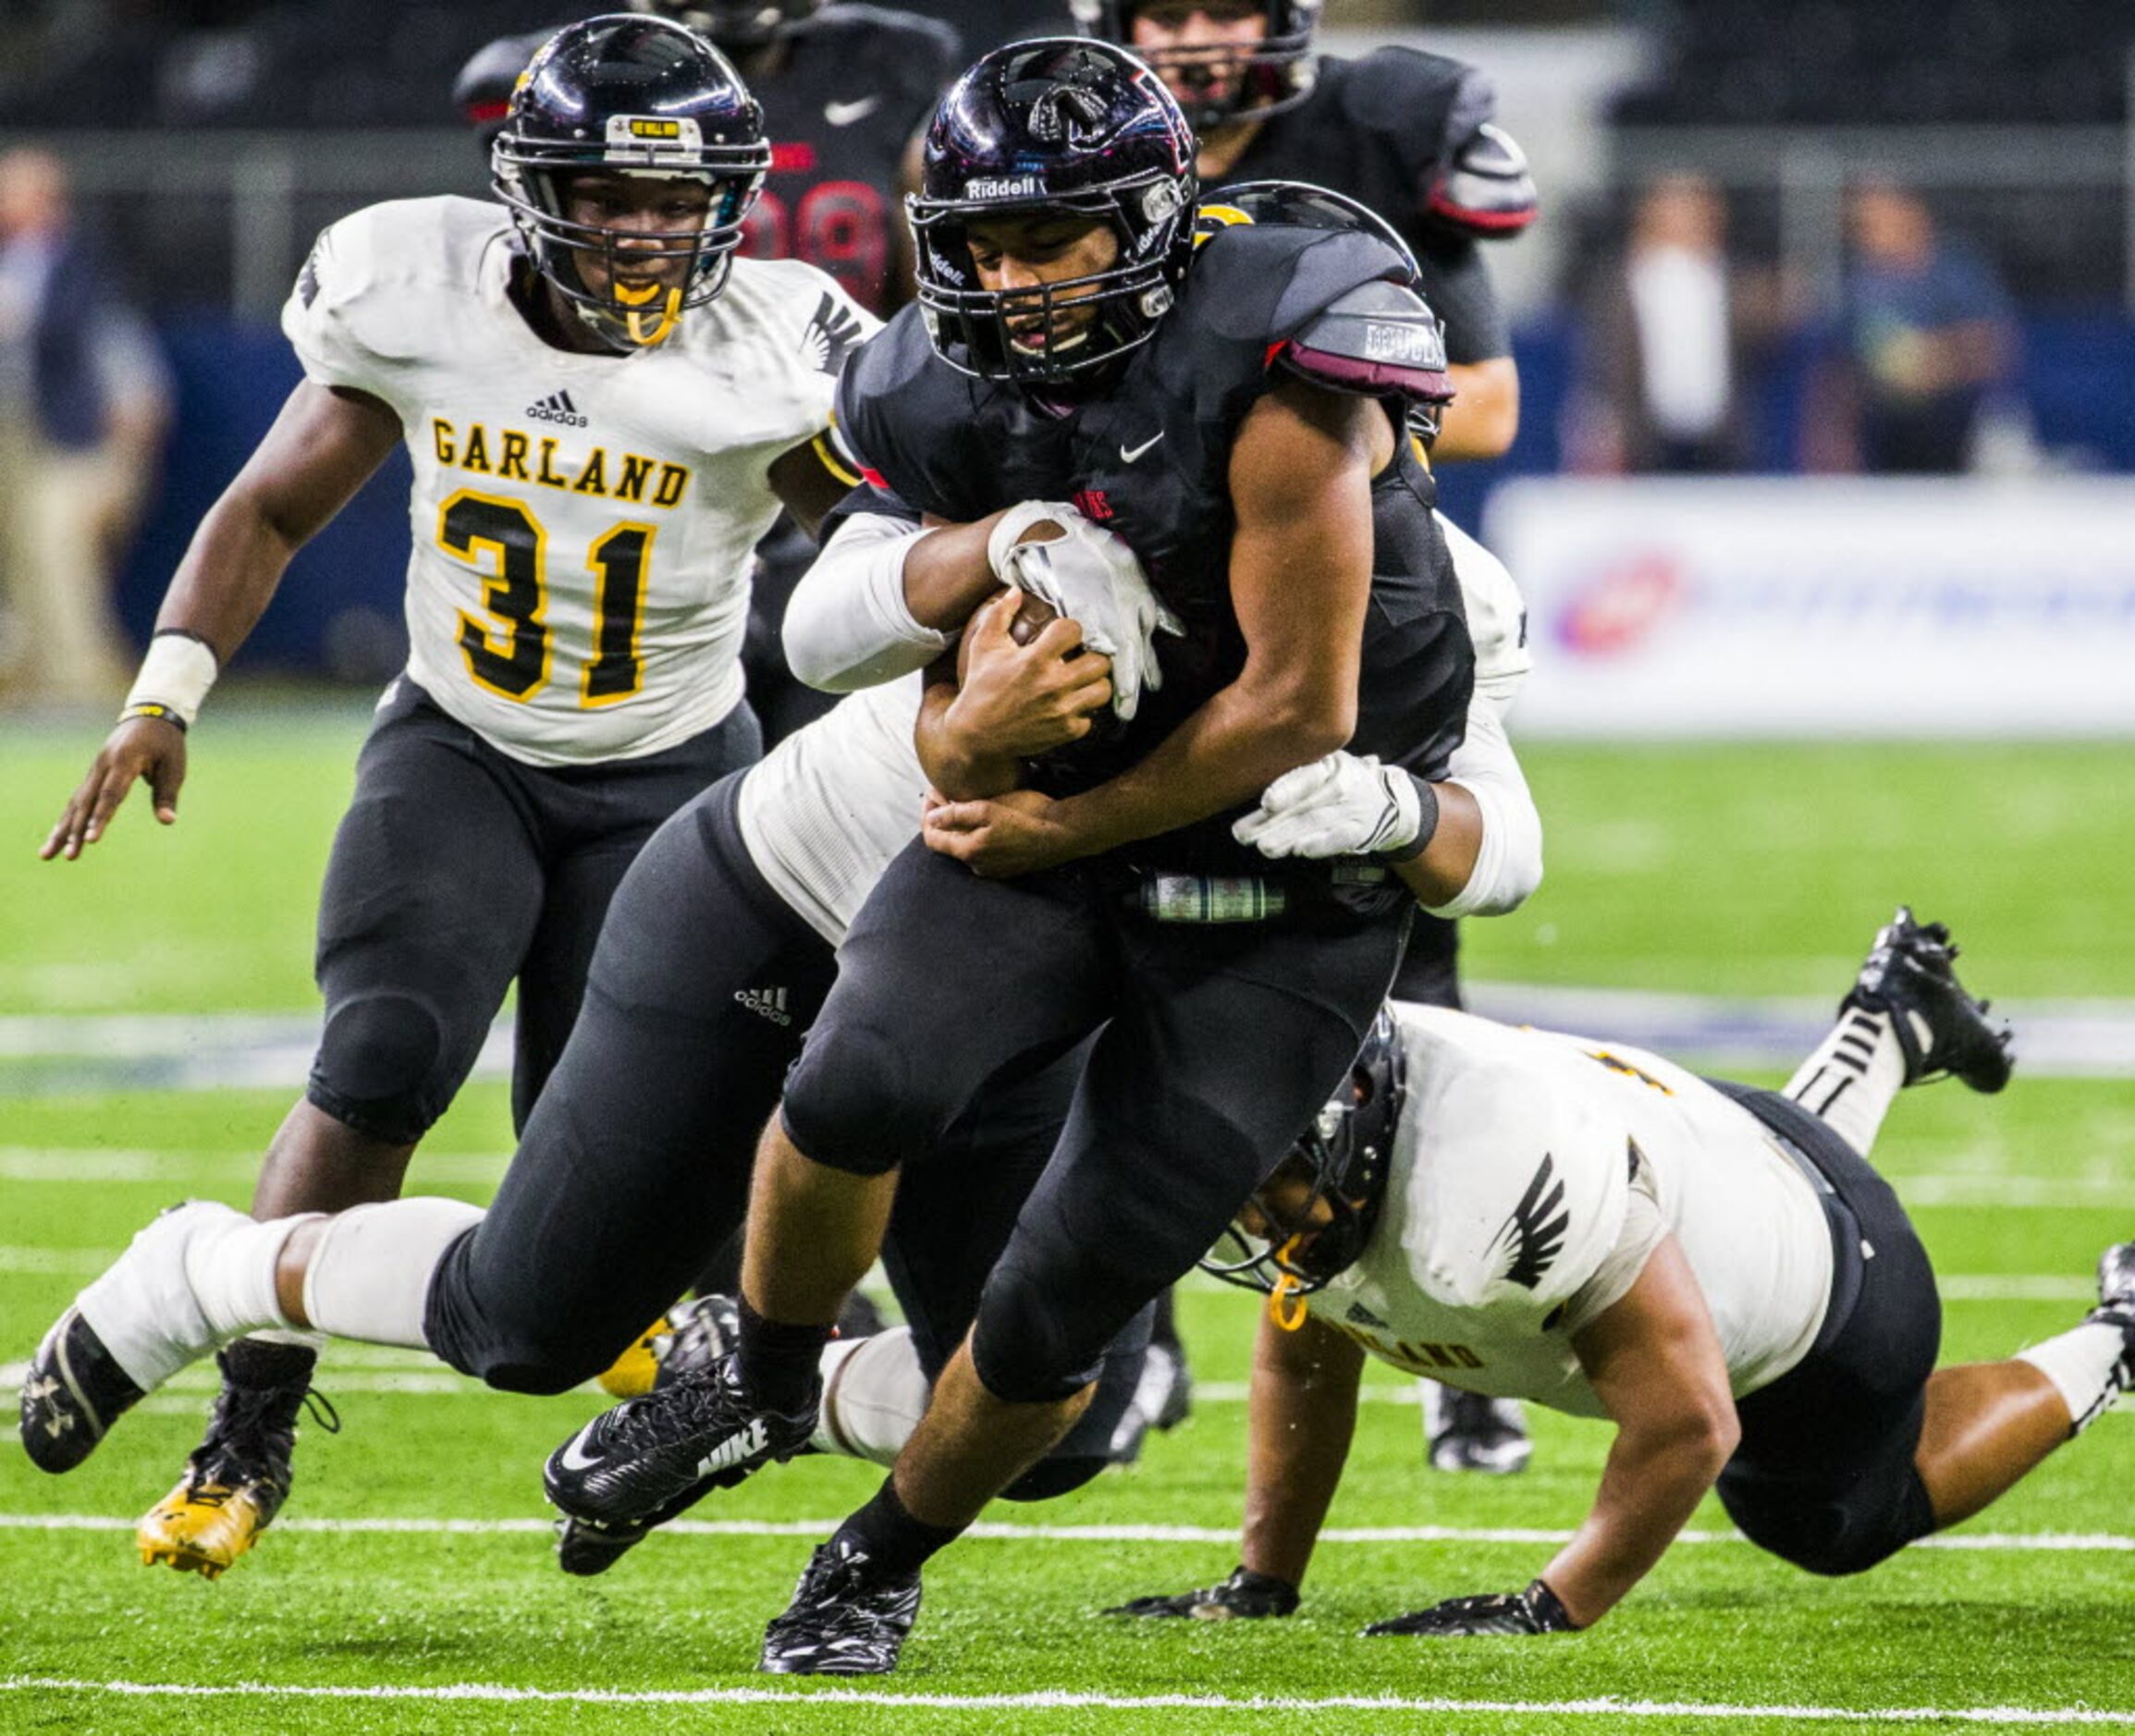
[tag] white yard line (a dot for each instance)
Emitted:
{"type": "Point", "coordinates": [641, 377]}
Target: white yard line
{"type": "Point", "coordinates": [2046, 1542]}
{"type": "Point", "coordinates": [1059, 1700]}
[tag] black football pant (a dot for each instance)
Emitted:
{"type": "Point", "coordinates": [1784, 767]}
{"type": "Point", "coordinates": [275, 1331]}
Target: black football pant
{"type": "Point", "coordinates": [635, 1162]}
{"type": "Point", "coordinates": [457, 869]}
{"type": "Point", "coordinates": [1216, 1046]}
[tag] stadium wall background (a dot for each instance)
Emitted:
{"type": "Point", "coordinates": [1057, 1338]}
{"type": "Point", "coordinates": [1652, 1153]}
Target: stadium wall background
{"type": "Point", "coordinates": [339, 612]}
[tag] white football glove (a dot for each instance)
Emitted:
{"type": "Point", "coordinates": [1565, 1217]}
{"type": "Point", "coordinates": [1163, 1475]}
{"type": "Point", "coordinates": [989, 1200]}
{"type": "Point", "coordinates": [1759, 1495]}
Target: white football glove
{"type": "Point", "coordinates": [1092, 578]}
{"type": "Point", "coordinates": [1342, 804]}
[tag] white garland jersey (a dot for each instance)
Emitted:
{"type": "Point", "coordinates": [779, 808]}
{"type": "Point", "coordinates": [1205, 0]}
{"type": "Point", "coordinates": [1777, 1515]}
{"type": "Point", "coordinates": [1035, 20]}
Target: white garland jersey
{"type": "Point", "coordinates": [1511, 1198]}
{"type": "Point", "coordinates": [583, 523]}
{"type": "Point", "coordinates": [824, 812]}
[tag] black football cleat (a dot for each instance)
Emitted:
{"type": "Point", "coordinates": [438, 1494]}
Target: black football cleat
{"type": "Point", "coordinates": [1471, 1431]}
{"type": "Point", "coordinates": [1944, 1032]}
{"type": "Point", "coordinates": [632, 1464]}
{"type": "Point", "coordinates": [2117, 1304]}
{"type": "Point", "coordinates": [237, 1479]}
{"type": "Point", "coordinates": [845, 1619]}
{"type": "Point", "coordinates": [72, 1395]}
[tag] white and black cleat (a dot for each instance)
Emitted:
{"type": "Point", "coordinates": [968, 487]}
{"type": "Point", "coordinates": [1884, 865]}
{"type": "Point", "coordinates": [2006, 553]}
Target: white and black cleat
{"type": "Point", "coordinates": [846, 1618]}
{"type": "Point", "coordinates": [2116, 1306]}
{"type": "Point", "coordinates": [74, 1392]}
{"type": "Point", "coordinates": [1471, 1431]}
{"type": "Point", "coordinates": [1909, 974]}
{"type": "Point", "coordinates": [642, 1462]}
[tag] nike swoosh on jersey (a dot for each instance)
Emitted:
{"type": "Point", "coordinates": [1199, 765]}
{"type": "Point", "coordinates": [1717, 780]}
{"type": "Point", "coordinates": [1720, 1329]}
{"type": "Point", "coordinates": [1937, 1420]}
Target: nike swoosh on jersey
{"type": "Point", "coordinates": [845, 113]}
{"type": "Point", "coordinates": [1129, 454]}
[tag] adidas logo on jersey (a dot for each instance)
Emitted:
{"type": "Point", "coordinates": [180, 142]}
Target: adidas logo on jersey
{"type": "Point", "coordinates": [769, 1002]}
{"type": "Point", "coordinates": [556, 408]}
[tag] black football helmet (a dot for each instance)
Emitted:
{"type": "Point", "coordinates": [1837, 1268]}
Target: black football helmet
{"type": "Point", "coordinates": [637, 96]}
{"type": "Point", "coordinates": [1348, 1152]}
{"type": "Point", "coordinates": [1263, 78]}
{"type": "Point", "coordinates": [1054, 124]}
{"type": "Point", "coordinates": [736, 26]}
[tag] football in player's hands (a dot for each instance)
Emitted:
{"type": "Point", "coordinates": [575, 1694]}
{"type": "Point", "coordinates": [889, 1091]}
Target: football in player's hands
{"type": "Point", "coordinates": [1031, 620]}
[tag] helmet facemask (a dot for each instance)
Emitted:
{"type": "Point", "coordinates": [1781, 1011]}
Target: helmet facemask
{"type": "Point", "coordinates": [1255, 79]}
{"type": "Point", "coordinates": [976, 328]}
{"type": "Point", "coordinates": [534, 180]}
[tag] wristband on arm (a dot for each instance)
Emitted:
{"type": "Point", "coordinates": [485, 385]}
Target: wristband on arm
{"type": "Point", "coordinates": [174, 679]}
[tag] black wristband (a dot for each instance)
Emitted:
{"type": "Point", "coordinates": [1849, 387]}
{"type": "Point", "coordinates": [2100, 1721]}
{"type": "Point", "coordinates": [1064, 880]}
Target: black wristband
{"type": "Point", "coordinates": [1548, 1610]}
{"type": "Point", "coordinates": [151, 708]}
{"type": "Point", "coordinates": [1426, 824]}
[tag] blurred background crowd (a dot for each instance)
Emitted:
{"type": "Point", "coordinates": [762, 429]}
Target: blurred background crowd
{"type": "Point", "coordinates": [1816, 238]}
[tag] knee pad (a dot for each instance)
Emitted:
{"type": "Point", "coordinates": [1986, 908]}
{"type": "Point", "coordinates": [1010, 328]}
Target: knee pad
{"type": "Point", "coordinates": [1030, 1342]}
{"type": "Point", "coordinates": [1836, 1538]}
{"type": "Point", "coordinates": [853, 1104]}
{"type": "Point", "coordinates": [1051, 1477]}
{"type": "Point", "coordinates": [382, 1066]}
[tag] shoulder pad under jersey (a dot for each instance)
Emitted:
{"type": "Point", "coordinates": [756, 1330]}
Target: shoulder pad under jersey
{"type": "Point", "coordinates": [1516, 1194]}
{"type": "Point", "coordinates": [1377, 340]}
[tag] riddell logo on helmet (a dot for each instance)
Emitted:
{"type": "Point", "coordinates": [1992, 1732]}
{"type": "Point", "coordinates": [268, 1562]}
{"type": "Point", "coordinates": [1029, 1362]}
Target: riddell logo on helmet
{"type": "Point", "coordinates": [1003, 187]}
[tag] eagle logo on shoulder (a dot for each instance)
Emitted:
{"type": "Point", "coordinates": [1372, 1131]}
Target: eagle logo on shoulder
{"type": "Point", "coordinates": [1528, 1243]}
{"type": "Point", "coordinates": [833, 331]}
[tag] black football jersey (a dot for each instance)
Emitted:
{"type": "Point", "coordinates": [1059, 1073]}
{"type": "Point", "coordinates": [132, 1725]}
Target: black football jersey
{"type": "Point", "coordinates": [1379, 129]}
{"type": "Point", "coordinates": [1148, 459]}
{"type": "Point", "coordinates": [855, 83]}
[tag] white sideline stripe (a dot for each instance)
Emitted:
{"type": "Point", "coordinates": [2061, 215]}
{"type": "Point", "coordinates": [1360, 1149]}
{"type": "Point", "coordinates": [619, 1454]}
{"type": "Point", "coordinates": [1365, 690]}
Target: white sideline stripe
{"type": "Point", "coordinates": [2043, 1542]}
{"type": "Point", "coordinates": [1061, 1700]}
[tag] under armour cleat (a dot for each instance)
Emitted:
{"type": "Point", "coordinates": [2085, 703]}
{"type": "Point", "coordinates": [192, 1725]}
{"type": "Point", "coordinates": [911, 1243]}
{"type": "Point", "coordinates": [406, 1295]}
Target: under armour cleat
{"type": "Point", "coordinates": [846, 1618]}
{"type": "Point", "coordinates": [689, 1336]}
{"type": "Point", "coordinates": [2117, 1304]}
{"type": "Point", "coordinates": [72, 1395]}
{"type": "Point", "coordinates": [1942, 1030]}
{"type": "Point", "coordinates": [237, 1479]}
{"type": "Point", "coordinates": [629, 1464]}
{"type": "Point", "coordinates": [1470, 1431]}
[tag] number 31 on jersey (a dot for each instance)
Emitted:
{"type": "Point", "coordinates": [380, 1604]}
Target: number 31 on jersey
{"type": "Point", "coordinates": [511, 656]}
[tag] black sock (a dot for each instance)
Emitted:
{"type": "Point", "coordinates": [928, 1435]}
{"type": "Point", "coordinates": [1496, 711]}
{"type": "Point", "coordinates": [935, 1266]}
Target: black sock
{"type": "Point", "coordinates": [262, 1363]}
{"type": "Point", "coordinates": [778, 1361]}
{"type": "Point", "coordinates": [1164, 1325]}
{"type": "Point", "coordinates": [894, 1543]}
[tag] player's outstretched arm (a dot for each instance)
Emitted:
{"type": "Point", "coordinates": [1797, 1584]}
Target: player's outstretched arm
{"type": "Point", "coordinates": [324, 445]}
{"type": "Point", "coordinates": [1302, 1415]}
{"type": "Point", "coordinates": [1656, 1363]}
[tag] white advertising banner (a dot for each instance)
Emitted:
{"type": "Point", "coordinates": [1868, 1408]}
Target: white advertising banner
{"type": "Point", "coordinates": [1814, 606]}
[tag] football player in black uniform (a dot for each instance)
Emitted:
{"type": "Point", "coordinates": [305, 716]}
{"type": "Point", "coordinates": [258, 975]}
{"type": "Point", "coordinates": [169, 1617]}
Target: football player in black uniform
{"type": "Point", "coordinates": [1237, 417]}
{"type": "Point", "coordinates": [1409, 135]}
{"type": "Point", "coordinates": [845, 90]}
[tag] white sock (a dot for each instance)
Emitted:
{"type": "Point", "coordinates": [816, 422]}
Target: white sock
{"type": "Point", "coordinates": [194, 1278]}
{"type": "Point", "coordinates": [2083, 1364]}
{"type": "Point", "coordinates": [1853, 1076]}
{"type": "Point", "coordinates": [369, 1274]}
{"type": "Point", "coordinates": [873, 1395]}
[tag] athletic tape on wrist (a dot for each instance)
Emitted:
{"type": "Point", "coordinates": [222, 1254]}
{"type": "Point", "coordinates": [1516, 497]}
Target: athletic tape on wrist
{"type": "Point", "coordinates": [1425, 821]}
{"type": "Point", "coordinates": [174, 679]}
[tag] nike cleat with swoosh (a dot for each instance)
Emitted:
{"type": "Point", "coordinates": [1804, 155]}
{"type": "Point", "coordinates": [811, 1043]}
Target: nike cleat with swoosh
{"type": "Point", "coordinates": [638, 1465]}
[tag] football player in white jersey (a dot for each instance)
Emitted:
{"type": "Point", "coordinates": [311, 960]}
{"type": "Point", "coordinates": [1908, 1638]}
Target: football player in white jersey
{"type": "Point", "coordinates": [605, 410]}
{"type": "Point", "coordinates": [1715, 1268]}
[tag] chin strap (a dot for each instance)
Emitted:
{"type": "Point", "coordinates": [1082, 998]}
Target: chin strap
{"type": "Point", "coordinates": [1286, 1304]}
{"type": "Point", "coordinates": [667, 315]}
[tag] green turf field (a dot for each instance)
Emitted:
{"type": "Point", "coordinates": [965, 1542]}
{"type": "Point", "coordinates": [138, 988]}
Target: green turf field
{"type": "Point", "coordinates": [410, 1587]}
